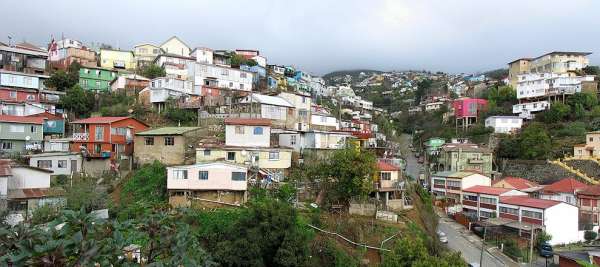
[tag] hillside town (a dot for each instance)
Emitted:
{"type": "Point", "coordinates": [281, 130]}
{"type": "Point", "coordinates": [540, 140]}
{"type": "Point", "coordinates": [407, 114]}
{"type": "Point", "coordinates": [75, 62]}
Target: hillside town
{"type": "Point", "coordinates": [174, 153]}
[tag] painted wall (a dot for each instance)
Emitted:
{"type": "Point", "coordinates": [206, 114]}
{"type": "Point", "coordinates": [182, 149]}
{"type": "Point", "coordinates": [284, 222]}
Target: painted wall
{"type": "Point", "coordinates": [284, 161]}
{"type": "Point", "coordinates": [57, 170]}
{"type": "Point", "coordinates": [20, 80]}
{"type": "Point", "coordinates": [562, 222]}
{"type": "Point", "coordinates": [219, 178]}
{"type": "Point", "coordinates": [249, 138]}
{"type": "Point", "coordinates": [117, 59]}
{"type": "Point", "coordinates": [25, 178]}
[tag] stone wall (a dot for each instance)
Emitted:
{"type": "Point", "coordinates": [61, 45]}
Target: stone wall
{"type": "Point", "coordinates": [362, 209]}
{"type": "Point", "coordinates": [591, 168]}
{"type": "Point", "coordinates": [539, 171]}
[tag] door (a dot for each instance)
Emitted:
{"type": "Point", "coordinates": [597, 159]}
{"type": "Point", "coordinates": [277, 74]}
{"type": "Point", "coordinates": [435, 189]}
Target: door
{"type": "Point", "coordinates": [73, 166]}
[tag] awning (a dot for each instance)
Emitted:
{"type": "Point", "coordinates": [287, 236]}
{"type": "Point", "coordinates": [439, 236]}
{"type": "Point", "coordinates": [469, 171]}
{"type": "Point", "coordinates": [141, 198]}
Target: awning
{"type": "Point", "coordinates": [510, 223]}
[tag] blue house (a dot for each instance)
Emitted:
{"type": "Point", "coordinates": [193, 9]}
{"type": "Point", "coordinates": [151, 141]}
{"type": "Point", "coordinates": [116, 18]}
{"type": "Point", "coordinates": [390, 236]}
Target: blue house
{"type": "Point", "coordinates": [53, 124]}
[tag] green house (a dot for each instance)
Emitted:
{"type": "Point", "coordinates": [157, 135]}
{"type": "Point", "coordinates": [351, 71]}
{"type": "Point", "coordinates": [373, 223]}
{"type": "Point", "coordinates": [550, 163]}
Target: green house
{"type": "Point", "coordinates": [96, 79]}
{"type": "Point", "coordinates": [433, 145]}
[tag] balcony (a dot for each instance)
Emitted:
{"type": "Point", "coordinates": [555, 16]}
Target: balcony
{"type": "Point", "coordinates": [475, 161]}
{"type": "Point", "coordinates": [81, 136]}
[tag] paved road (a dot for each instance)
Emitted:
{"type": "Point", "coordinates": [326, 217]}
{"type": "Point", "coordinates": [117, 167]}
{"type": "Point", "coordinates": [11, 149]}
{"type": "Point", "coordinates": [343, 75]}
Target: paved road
{"type": "Point", "coordinates": [412, 166]}
{"type": "Point", "coordinates": [470, 252]}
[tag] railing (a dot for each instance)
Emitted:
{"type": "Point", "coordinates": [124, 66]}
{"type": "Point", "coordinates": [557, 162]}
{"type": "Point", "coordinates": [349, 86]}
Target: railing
{"type": "Point", "coordinates": [476, 161]}
{"type": "Point", "coordinates": [81, 136]}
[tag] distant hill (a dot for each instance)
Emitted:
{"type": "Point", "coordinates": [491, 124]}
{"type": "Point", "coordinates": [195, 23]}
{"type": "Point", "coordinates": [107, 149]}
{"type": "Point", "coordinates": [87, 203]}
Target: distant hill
{"type": "Point", "coordinates": [353, 73]}
{"type": "Point", "coordinates": [497, 74]}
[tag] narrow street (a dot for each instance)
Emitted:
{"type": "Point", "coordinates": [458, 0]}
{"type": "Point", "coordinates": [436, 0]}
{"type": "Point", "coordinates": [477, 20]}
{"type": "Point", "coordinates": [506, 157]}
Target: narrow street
{"type": "Point", "coordinates": [412, 166]}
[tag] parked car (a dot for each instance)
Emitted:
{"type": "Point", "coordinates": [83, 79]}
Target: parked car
{"type": "Point", "coordinates": [473, 264]}
{"type": "Point", "coordinates": [546, 250]}
{"type": "Point", "coordinates": [442, 236]}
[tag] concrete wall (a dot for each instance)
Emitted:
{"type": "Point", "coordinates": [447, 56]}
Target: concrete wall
{"type": "Point", "coordinates": [247, 138]}
{"type": "Point", "coordinates": [24, 178]}
{"type": "Point", "coordinates": [362, 209]}
{"type": "Point", "coordinates": [219, 178]}
{"type": "Point", "coordinates": [65, 169]}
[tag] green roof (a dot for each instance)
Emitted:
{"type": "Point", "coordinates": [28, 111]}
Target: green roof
{"type": "Point", "coordinates": [168, 131]}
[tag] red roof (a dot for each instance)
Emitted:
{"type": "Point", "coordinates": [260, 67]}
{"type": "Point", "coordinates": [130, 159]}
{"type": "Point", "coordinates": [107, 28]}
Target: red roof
{"type": "Point", "coordinates": [21, 119]}
{"type": "Point", "coordinates": [517, 182]}
{"type": "Point", "coordinates": [100, 120]}
{"type": "Point", "coordinates": [384, 166]}
{"type": "Point", "coordinates": [252, 122]}
{"type": "Point", "coordinates": [566, 185]}
{"type": "Point", "coordinates": [529, 202]}
{"type": "Point", "coordinates": [488, 190]}
{"type": "Point", "coordinates": [5, 167]}
{"type": "Point", "coordinates": [592, 190]}
{"type": "Point", "coordinates": [47, 115]}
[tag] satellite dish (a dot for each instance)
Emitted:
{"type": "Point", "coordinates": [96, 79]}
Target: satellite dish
{"type": "Point", "coordinates": [27, 138]}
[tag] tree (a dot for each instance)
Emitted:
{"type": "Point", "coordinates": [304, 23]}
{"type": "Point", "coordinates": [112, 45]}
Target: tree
{"type": "Point", "coordinates": [86, 195]}
{"type": "Point", "coordinates": [542, 238]}
{"type": "Point", "coordinates": [63, 80]}
{"type": "Point", "coordinates": [557, 112]}
{"type": "Point", "coordinates": [590, 236]}
{"type": "Point", "coordinates": [153, 71]}
{"type": "Point", "coordinates": [238, 60]}
{"type": "Point", "coordinates": [535, 142]}
{"type": "Point", "coordinates": [78, 101]}
{"type": "Point", "coordinates": [591, 70]}
{"type": "Point", "coordinates": [586, 100]}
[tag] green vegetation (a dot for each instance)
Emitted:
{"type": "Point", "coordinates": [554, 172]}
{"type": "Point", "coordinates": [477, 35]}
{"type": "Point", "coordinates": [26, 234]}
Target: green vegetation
{"type": "Point", "coordinates": [590, 236]}
{"type": "Point", "coordinates": [78, 101]}
{"type": "Point", "coordinates": [64, 80]}
{"type": "Point", "coordinates": [238, 60]}
{"type": "Point", "coordinates": [153, 71]}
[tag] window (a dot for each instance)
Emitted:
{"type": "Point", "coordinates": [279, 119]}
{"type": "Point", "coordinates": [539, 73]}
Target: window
{"type": "Point", "coordinates": [169, 141]}
{"type": "Point", "coordinates": [509, 210]}
{"type": "Point", "coordinates": [274, 155]}
{"type": "Point", "coordinates": [470, 197]}
{"type": "Point", "coordinates": [230, 155]}
{"type": "Point", "coordinates": [238, 176]}
{"type": "Point", "coordinates": [97, 148]}
{"type": "Point", "coordinates": [293, 139]}
{"type": "Point", "coordinates": [98, 84]}
{"type": "Point", "coordinates": [531, 214]}
{"type": "Point", "coordinates": [155, 51]}
{"type": "Point", "coordinates": [30, 97]}
{"type": "Point", "coordinates": [179, 174]}
{"type": "Point", "coordinates": [239, 129]}
{"type": "Point", "coordinates": [488, 200]}
{"type": "Point", "coordinates": [33, 128]}
{"type": "Point", "coordinates": [62, 164]}
{"type": "Point", "coordinates": [224, 72]}
{"type": "Point", "coordinates": [207, 152]}
{"type": "Point", "coordinates": [385, 176]}
{"type": "Point", "coordinates": [118, 131]}
{"type": "Point", "coordinates": [99, 133]}
{"type": "Point", "coordinates": [85, 83]}
{"type": "Point", "coordinates": [241, 86]}
{"type": "Point", "coordinates": [13, 94]}
{"type": "Point", "coordinates": [149, 141]}
{"type": "Point", "coordinates": [258, 130]}
{"type": "Point", "coordinates": [203, 175]}
{"type": "Point", "coordinates": [568, 199]}
{"type": "Point", "coordinates": [453, 184]}
{"type": "Point", "coordinates": [591, 139]}
{"type": "Point", "coordinates": [46, 164]}
{"type": "Point", "coordinates": [7, 145]}
{"type": "Point", "coordinates": [242, 75]}
{"type": "Point", "coordinates": [16, 128]}
{"type": "Point", "coordinates": [230, 84]}
{"type": "Point", "coordinates": [486, 214]}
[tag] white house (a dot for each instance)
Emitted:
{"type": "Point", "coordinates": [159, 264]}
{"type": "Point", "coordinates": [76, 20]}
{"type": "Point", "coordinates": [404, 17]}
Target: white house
{"type": "Point", "coordinates": [57, 145]}
{"type": "Point", "coordinates": [247, 132]}
{"type": "Point", "coordinates": [525, 110]}
{"type": "Point", "coordinates": [564, 190]}
{"type": "Point", "coordinates": [175, 65]}
{"type": "Point", "coordinates": [207, 184]}
{"type": "Point", "coordinates": [270, 107]}
{"type": "Point", "coordinates": [202, 55]}
{"type": "Point", "coordinates": [559, 219]}
{"type": "Point", "coordinates": [215, 76]}
{"type": "Point", "coordinates": [314, 140]}
{"type": "Point", "coordinates": [433, 106]}
{"type": "Point", "coordinates": [162, 89]}
{"type": "Point", "coordinates": [322, 121]}
{"type": "Point", "coordinates": [302, 103]}
{"type": "Point", "coordinates": [65, 163]}
{"type": "Point", "coordinates": [450, 184]}
{"type": "Point", "coordinates": [504, 124]}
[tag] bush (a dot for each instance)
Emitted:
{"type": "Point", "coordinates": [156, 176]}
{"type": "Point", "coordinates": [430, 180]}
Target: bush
{"type": "Point", "coordinates": [590, 236]}
{"type": "Point", "coordinates": [44, 214]}
{"type": "Point", "coordinates": [511, 248]}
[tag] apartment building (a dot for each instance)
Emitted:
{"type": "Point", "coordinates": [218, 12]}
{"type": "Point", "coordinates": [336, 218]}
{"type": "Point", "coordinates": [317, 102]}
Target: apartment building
{"type": "Point", "coordinates": [504, 124]}
{"type": "Point", "coordinates": [460, 157]}
{"type": "Point", "coordinates": [450, 184]}
{"type": "Point", "coordinates": [217, 77]}
{"type": "Point", "coordinates": [481, 202]}
{"type": "Point", "coordinates": [554, 62]}
{"type": "Point", "coordinates": [24, 59]}
{"type": "Point", "coordinates": [163, 89]}
{"type": "Point", "coordinates": [19, 134]}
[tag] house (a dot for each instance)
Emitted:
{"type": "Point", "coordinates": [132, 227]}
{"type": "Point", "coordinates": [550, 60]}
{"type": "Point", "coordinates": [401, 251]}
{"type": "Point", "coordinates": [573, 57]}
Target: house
{"type": "Point", "coordinates": [20, 134]}
{"type": "Point", "coordinates": [314, 140]}
{"type": "Point", "coordinates": [433, 106]}
{"type": "Point", "coordinates": [554, 62]}
{"type": "Point", "coordinates": [564, 190]}
{"type": "Point", "coordinates": [590, 149]}
{"type": "Point", "coordinates": [163, 89]}
{"type": "Point", "coordinates": [17, 80]}
{"type": "Point", "coordinates": [202, 55]}
{"type": "Point", "coordinates": [273, 108]}
{"type": "Point", "coordinates": [209, 184]}
{"type": "Point", "coordinates": [467, 110]}
{"type": "Point", "coordinates": [450, 184]}
{"type": "Point", "coordinates": [516, 183]}
{"type": "Point", "coordinates": [24, 188]}
{"type": "Point", "coordinates": [63, 53]}
{"type": "Point", "coordinates": [57, 145]}
{"type": "Point", "coordinates": [105, 137]}
{"type": "Point", "coordinates": [465, 157]}
{"type": "Point", "coordinates": [145, 54]}
{"type": "Point", "coordinates": [481, 202]}
{"type": "Point", "coordinates": [588, 200]}
{"type": "Point", "coordinates": [60, 163]}
{"type": "Point", "coordinates": [130, 84]}
{"type": "Point", "coordinates": [389, 185]}
{"type": "Point", "coordinates": [504, 124]}
{"type": "Point", "coordinates": [323, 122]}
{"type": "Point", "coordinates": [175, 46]}
{"type": "Point", "coordinates": [302, 102]}
{"type": "Point", "coordinates": [433, 145]}
{"type": "Point", "coordinates": [23, 59]}
{"type": "Point", "coordinates": [54, 124]}
{"type": "Point", "coordinates": [524, 214]}
{"type": "Point", "coordinates": [96, 79]}
{"type": "Point", "coordinates": [212, 79]}
{"type": "Point", "coordinates": [247, 141]}
{"type": "Point", "coordinates": [117, 59]}
{"type": "Point", "coordinates": [169, 145]}
{"type": "Point", "coordinates": [176, 66]}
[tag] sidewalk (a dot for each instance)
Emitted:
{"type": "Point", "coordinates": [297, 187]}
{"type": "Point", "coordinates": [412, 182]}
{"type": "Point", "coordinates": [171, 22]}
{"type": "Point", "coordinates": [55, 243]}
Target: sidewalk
{"type": "Point", "coordinates": [476, 240]}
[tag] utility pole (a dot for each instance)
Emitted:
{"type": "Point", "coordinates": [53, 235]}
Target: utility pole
{"type": "Point", "coordinates": [482, 246]}
{"type": "Point", "coordinates": [531, 246]}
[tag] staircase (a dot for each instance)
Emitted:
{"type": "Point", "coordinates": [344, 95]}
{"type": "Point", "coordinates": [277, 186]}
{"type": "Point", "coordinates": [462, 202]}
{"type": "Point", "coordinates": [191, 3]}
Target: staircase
{"type": "Point", "coordinates": [572, 170]}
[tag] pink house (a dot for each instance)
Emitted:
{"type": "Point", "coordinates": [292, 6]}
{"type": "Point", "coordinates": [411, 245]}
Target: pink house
{"type": "Point", "coordinates": [467, 110]}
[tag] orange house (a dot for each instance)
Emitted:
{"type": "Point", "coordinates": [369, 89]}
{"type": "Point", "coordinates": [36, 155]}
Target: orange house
{"type": "Point", "coordinates": [105, 137]}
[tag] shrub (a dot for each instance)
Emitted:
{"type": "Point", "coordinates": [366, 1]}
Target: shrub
{"type": "Point", "coordinates": [590, 236]}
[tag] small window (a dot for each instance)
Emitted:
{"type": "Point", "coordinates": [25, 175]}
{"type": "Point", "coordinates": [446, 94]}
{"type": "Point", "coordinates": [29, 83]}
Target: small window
{"type": "Point", "coordinates": [62, 164]}
{"type": "Point", "coordinates": [203, 175]}
{"type": "Point", "coordinates": [149, 141]}
{"type": "Point", "coordinates": [591, 139]}
{"type": "Point", "coordinates": [239, 129]}
{"type": "Point", "coordinates": [98, 84]}
{"type": "Point", "coordinates": [242, 75]}
{"type": "Point", "coordinates": [207, 152]}
{"type": "Point", "coordinates": [230, 155]}
{"type": "Point", "coordinates": [13, 94]}
{"type": "Point", "coordinates": [169, 141]}
{"type": "Point", "coordinates": [33, 128]}
{"type": "Point", "coordinates": [7, 145]}
{"type": "Point", "coordinates": [238, 176]}
{"type": "Point", "coordinates": [258, 130]}
{"type": "Point", "coordinates": [46, 164]}
{"type": "Point", "coordinates": [385, 176]}
{"type": "Point", "coordinates": [293, 140]}
{"type": "Point", "coordinates": [179, 174]}
{"type": "Point", "coordinates": [274, 155]}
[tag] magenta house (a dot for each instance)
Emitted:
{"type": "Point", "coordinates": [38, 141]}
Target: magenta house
{"type": "Point", "coordinates": [467, 110]}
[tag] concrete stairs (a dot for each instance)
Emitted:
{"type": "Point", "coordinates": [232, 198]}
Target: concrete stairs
{"type": "Point", "coordinates": [572, 170]}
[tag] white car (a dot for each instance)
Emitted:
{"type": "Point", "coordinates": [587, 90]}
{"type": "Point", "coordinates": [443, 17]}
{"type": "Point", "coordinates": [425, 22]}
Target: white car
{"type": "Point", "coordinates": [442, 236]}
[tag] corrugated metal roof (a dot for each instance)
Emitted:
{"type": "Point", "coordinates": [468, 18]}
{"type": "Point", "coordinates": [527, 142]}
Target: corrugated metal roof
{"type": "Point", "coordinates": [100, 120]}
{"type": "Point", "coordinates": [269, 100]}
{"type": "Point", "coordinates": [529, 202]}
{"type": "Point", "coordinates": [21, 119]}
{"type": "Point", "coordinates": [252, 121]}
{"type": "Point", "coordinates": [168, 131]}
{"type": "Point", "coordinates": [488, 190]}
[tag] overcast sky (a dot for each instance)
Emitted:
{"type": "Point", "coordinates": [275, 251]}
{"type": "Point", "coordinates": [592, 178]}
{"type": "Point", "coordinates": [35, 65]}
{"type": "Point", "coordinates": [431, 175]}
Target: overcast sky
{"type": "Point", "coordinates": [321, 36]}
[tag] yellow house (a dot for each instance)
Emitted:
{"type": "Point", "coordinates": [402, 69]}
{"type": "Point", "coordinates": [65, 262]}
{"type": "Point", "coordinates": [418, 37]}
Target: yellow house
{"type": "Point", "coordinates": [590, 149]}
{"type": "Point", "coordinates": [176, 46]}
{"type": "Point", "coordinates": [270, 161]}
{"type": "Point", "coordinates": [117, 59]}
{"type": "Point", "coordinates": [145, 54]}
